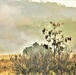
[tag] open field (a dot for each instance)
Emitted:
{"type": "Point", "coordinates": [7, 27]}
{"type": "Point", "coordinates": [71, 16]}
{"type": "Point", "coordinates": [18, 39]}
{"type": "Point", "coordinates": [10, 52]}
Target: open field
{"type": "Point", "coordinates": [7, 66]}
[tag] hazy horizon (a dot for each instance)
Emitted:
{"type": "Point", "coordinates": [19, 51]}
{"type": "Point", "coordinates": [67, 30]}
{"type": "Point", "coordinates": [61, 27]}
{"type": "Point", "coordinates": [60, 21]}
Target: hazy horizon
{"type": "Point", "coordinates": [21, 23]}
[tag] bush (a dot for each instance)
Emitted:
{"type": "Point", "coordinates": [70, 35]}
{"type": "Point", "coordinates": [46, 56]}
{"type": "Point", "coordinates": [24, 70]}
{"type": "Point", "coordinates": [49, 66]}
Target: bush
{"type": "Point", "coordinates": [41, 64]}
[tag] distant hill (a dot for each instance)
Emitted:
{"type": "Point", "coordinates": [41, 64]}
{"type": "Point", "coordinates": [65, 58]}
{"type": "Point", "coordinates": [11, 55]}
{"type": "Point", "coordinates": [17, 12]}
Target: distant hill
{"type": "Point", "coordinates": [21, 23]}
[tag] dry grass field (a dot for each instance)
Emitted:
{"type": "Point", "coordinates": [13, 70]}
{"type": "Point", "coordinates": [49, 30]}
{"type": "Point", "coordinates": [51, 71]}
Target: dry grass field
{"type": "Point", "coordinates": [7, 66]}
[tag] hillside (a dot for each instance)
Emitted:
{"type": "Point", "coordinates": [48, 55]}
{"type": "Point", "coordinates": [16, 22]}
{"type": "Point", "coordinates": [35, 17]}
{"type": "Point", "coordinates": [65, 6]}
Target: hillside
{"type": "Point", "coordinates": [21, 23]}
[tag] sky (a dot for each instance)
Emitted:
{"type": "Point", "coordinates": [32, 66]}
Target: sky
{"type": "Point", "coordinates": [68, 3]}
{"type": "Point", "coordinates": [18, 26]}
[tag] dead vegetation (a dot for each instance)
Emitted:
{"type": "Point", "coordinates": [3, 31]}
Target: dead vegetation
{"type": "Point", "coordinates": [39, 65]}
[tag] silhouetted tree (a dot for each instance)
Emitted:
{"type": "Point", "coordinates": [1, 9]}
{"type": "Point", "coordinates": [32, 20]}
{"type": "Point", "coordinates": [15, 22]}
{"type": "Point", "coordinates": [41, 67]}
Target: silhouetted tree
{"type": "Point", "coordinates": [51, 37]}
